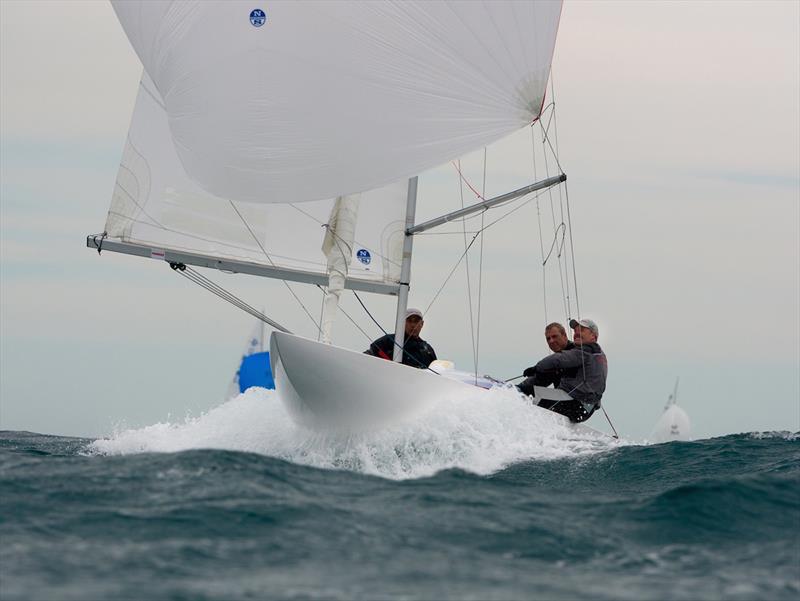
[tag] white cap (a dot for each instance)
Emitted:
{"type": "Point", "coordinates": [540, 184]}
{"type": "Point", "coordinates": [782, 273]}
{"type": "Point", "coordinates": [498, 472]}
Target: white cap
{"type": "Point", "coordinates": [586, 323]}
{"type": "Point", "coordinates": [410, 312]}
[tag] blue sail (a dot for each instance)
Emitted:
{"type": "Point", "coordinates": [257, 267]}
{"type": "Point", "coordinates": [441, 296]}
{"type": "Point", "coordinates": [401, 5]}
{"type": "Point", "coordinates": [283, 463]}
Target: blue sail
{"type": "Point", "coordinates": [255, 371]}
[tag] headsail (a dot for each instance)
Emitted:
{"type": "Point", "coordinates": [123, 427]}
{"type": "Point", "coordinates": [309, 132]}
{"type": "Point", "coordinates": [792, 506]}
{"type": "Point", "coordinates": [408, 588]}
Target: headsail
{"type": "Point", "coordinates": [156, 204]}
{"type": "Point", "coordinates": [313, 100]}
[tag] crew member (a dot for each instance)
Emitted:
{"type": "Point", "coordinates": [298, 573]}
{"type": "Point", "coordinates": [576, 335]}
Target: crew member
{"type": "Point", "coordinates": [556, 337]}
{"type": "Point", "coordinates": [582, 372]}
{"type": "Point", "coordinates": [416, 352]}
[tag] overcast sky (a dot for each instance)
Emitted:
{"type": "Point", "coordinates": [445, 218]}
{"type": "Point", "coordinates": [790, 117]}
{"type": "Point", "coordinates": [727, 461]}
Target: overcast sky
{"type": "Point", "coordinates": [679, 129]}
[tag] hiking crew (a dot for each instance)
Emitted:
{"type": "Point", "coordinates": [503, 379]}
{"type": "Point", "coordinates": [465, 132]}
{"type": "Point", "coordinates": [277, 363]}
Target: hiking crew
{"type": "Point", "coordinates": [581, 372]}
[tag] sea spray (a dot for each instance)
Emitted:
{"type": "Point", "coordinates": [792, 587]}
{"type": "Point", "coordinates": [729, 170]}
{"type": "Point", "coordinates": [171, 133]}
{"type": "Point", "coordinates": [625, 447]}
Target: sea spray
{"type": "Point", "coordinates": [481, 432]}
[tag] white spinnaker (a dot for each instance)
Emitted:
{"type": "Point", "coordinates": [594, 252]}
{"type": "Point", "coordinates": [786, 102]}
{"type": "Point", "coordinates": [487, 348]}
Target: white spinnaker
{"type": "Point", "coordinates": [336, 97]}
{"type": "Point", "coordinates": [155, 203]}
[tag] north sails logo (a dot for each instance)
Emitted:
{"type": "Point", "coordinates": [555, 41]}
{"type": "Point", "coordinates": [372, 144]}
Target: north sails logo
{"type": "Point", "coordinates": [258, 17]}
{"type": "Point", "coordinates": [363, 255]}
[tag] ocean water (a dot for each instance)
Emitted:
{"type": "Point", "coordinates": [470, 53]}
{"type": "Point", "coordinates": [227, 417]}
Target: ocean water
{"type": "Point", "coordinates": [474, 500]}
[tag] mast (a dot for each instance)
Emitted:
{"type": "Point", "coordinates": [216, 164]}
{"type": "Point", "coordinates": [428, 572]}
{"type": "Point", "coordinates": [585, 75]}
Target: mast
{"type": "Point", "coordinates": [405, 272]}
{"type": "Point", "coordinates": [673, 398]}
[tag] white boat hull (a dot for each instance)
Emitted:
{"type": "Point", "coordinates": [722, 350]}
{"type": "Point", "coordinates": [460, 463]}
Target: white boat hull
{"type": "Point", "coordinates": [325, 386]}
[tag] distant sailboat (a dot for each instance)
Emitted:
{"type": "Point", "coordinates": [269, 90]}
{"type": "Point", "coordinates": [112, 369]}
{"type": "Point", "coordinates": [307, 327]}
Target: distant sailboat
{"type": "Point", "coordinates": [254, 369]}
{"type": "Point", "coordinates": [673, 423]}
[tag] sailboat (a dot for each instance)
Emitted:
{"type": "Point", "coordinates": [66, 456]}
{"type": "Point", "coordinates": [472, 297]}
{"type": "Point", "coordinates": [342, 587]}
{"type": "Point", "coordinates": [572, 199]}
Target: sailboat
{"type": "Point", "coordinates": [254, 367]}
{"type": "Point", "coordinates": [673, 423]}
{"type": "Point", "coordinates": [286, 143]}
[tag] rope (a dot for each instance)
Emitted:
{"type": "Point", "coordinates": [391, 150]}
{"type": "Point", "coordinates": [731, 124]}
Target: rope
{"type": "Point", "coordinates": [564, 292]}
{"type": "Point", "coordinates": [452, 271]}
{"type": "Point", "coordinates": [385, 333]}
{"type": "Point", "coordinates": [553, 244]}
{"type": "Point", "coordinates": [480, 274]}
{"type": "Point", "coordinates": [202, 281]}
{"type": "Point", "coordinates": [462, 181]}
{"type": "Point", "coordinates": [266, 254]}
{"type": "Point", "coordinates": [475, 237]}
{"type": "Point", "coordinates": [564, 228]}
{"type": "Point", "coordinates": [358, 298]}
{"type": "Point", "coordinates": [367, 336]}
{"type": "Point", "coordinates": [99, 245]}
{"type": "Point", "coordinates": [572, 252]}
{"type": "Point", "coordinates": [539, 222]}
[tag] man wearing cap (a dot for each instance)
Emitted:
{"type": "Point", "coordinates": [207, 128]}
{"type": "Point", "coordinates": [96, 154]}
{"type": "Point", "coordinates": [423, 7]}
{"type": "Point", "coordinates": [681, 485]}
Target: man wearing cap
{"type": "Point", "coordinates": [416, 352]}
{"type": "Point", "coordinates": [583, 373]}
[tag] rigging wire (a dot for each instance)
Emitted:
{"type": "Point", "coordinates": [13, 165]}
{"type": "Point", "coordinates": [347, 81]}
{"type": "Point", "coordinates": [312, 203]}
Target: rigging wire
{"type": "Point", "coordinates": [539, 221]}
{"type": "Point", "coordinates": [452, 271]}
{"type": "Point", "coordinates": [480, 272]}
{"type": "Point", "coordinates": [347, 315]}
{"type": "Point", "coordinates": [367, 311]}
{"type": "Point", "coordinates": [555, 226]}
{"type": "Point", "coordinates": [201, 280]}
{"type": "Point", "coordinates": [266, 254]}
{"type": "Point", "coordinates": [198, 278]}
{"type": "Point", "coordinates": [475, 234]}
{"type": "Point", "coordinates": [572, 252]}
{"type": "Point", "coordinates": [564, 200]}
{"type": "Point", "coordinates": [385, 333]}
{"type": "Point", "coordinates": [462, 181]}
{"type": "Point", "coordinates": [608, 419]}
{"type": "Point", "coordinates": [566, 231]}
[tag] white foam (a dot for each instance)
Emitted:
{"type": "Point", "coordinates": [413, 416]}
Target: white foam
{"type": "Point", "coordinates": [482, 432]}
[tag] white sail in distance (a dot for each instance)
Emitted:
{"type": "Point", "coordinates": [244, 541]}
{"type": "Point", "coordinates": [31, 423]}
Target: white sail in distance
{"type": "Point", "coordinates": [674, 423]}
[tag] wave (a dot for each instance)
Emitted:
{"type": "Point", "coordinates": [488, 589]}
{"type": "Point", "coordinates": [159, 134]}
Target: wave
{"type": "Point", "coordinates": [480, 433]}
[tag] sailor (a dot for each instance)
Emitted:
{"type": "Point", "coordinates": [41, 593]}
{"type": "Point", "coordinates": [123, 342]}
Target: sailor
{"type": "Point", "coordinates": [416, 352]}
{"type": "Point", "coordinates": [556, 337]}
{"type": "Point", "coordinates": [582, 372]}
